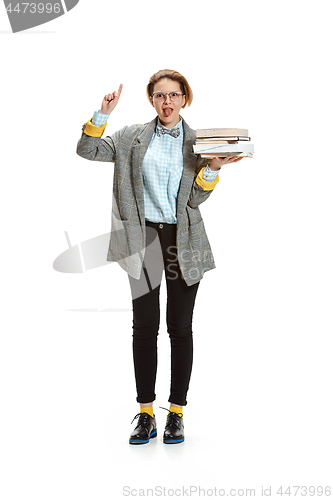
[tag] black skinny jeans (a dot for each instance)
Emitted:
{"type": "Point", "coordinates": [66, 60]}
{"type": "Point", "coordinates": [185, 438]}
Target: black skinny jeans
{"type": "Point", "coordinates": [161, 252]}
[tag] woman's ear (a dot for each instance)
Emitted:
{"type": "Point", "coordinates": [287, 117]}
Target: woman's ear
{"type": "Point", "coordinates": [184, 101]}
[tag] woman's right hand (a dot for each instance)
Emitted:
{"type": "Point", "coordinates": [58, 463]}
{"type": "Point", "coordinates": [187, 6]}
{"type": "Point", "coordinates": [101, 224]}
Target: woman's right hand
{"type": "Point", "coordinates": [110, 101]}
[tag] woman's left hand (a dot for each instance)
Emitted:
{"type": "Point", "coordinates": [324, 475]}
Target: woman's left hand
{"type": "Point", "coordinates": [218, 162]}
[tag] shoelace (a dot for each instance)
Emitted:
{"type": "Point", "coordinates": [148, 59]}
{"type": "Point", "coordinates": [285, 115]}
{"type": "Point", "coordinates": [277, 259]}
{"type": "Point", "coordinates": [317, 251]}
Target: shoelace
{"type": "Point", "coordinates": [143, 420]}
{"type": "Point", "coordinates": [172, 418]}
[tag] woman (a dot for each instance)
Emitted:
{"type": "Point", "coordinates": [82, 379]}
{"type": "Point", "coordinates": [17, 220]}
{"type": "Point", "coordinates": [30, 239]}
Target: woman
{"type": "Point", "coordinates": [158, 185]}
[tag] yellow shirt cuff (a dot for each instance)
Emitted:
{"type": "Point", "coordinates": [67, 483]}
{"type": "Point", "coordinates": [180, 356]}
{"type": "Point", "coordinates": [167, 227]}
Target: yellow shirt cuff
{"type": "Point", "coordinates": [206, 185]}
{"type": "Point", "coordinates": [92, 130]}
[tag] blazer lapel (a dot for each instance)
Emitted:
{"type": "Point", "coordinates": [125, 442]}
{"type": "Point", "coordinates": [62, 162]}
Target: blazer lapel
{"type": "Point", "coordinates": [189, 171]}
{"type": "Point", "coordinates": [141, 143]}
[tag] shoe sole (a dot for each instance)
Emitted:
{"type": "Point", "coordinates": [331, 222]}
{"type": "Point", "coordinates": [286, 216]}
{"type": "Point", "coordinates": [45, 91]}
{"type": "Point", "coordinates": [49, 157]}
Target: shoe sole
{"type": "Point", "coordinates": [173, 441]}
{"type": "Point", "coordinates": [143, 441]}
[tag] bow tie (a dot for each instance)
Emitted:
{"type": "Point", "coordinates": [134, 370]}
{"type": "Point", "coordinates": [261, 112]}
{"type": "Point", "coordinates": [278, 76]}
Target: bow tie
{"type": "Point", "coordinates": [162, 130]}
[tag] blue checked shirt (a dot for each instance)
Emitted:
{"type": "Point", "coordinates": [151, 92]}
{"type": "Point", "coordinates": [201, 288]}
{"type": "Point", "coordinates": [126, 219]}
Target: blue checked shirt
{"type": "Point", "coordinates": [162, 170]}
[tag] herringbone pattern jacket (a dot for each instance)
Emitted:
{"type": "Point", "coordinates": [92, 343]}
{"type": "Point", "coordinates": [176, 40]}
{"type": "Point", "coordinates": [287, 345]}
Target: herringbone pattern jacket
{"type": "Point", "coordinates": [126, 148]}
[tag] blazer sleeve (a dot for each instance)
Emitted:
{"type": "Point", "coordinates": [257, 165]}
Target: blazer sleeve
{"type": "Point", "coordinates": [93, 147]}
{"type": "Point", "coordinates": [201, 190]}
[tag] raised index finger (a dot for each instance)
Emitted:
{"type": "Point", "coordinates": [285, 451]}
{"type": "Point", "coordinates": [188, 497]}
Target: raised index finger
{"type": "Point", "coordinates": [120, 89]}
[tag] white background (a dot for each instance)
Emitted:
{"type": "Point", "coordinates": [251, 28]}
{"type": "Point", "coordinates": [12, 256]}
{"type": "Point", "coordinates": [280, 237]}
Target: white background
{"type": "Point", "coordinates": [259, 408]}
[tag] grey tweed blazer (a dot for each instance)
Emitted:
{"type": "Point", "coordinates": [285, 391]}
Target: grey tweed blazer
{"type": "Point", "coordinates": [126, 148]}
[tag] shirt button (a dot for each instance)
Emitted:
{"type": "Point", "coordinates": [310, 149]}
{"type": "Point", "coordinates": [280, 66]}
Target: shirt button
{"type": "Point", "coordinates": [161, 226]}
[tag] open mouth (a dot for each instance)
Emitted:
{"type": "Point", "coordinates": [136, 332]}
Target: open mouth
{"type": "Point", "coordinates": [167, 111]}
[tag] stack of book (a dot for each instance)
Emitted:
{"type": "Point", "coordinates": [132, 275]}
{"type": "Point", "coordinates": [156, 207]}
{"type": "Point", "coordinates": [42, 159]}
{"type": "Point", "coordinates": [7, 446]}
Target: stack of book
{"type": "Point", "coordinates": [223, 142]}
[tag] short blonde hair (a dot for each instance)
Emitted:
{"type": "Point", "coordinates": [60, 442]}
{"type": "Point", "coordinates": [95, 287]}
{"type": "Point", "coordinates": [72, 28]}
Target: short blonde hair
{"type": "Point", "coordinates": [175, 76]}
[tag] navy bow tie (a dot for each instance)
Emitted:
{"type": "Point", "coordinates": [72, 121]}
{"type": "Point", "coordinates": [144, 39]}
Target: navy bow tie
{"type": "Point", "coordinates": [171, 131]}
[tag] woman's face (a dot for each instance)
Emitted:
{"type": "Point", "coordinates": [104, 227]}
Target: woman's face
{"type": "Point", "coordinates": [167, 110]}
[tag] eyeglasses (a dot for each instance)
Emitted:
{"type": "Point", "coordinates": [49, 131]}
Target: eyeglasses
{"type": "Point", "coordinates": [174, 96]}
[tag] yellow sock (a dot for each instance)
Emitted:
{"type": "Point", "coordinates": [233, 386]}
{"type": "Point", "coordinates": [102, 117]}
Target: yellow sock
{"type": "Point", "coordinates": [147, 409]}
{"type": "Point", "coordinates": [176, 409]}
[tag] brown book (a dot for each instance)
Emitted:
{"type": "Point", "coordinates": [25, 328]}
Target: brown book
{"type": "Point", "coordinates": [209, 140]}
{"type": "Point", "coordinates": [212, 141]}
{"type": "Point", "coordinates": [222, 132]}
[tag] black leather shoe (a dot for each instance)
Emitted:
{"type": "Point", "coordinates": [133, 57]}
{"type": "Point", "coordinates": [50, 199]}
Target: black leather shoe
{"type": "Point", "coordinates": [174, 429]}
{"type": "Point", "coordinates": [144, 430]}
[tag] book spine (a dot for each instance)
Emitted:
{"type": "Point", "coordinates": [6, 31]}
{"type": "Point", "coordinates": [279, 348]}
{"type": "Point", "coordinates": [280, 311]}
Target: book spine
{"type": "Point", "coordinates": [220, 132]}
